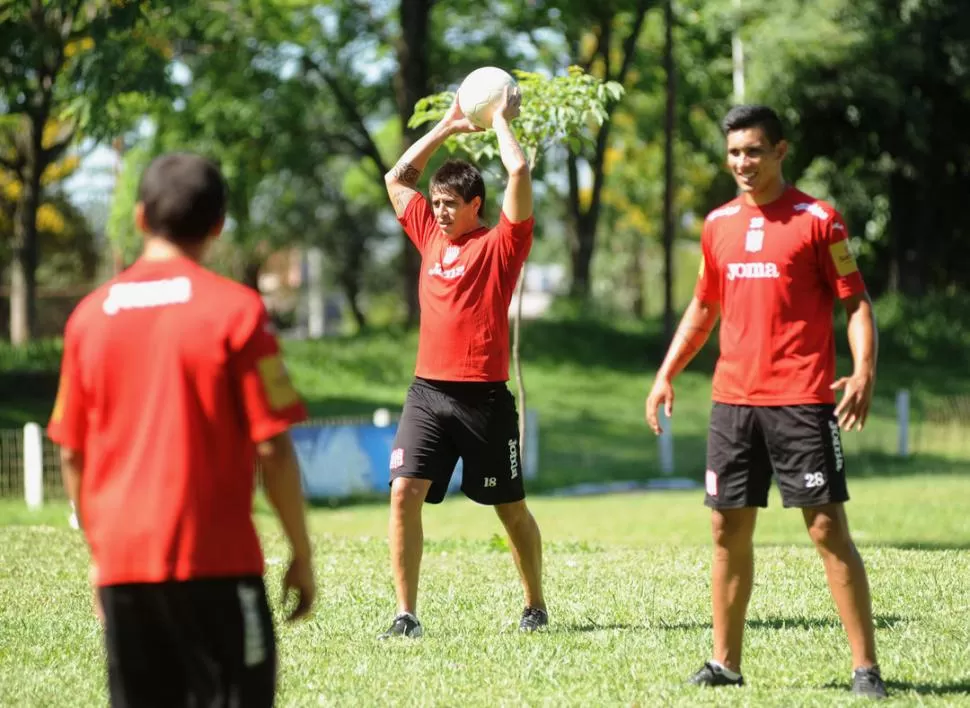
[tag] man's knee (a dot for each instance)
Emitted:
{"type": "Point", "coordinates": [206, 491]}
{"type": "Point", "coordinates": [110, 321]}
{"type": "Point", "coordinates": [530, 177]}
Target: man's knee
{"type": "Point", "coordinates": [828, 528]}
{"type": "Point", "coordinates": [408, 493]}
{"type": "Point", "coordinates": [513, 514]}
{"type": "Point", "coordinates": [733, 528]}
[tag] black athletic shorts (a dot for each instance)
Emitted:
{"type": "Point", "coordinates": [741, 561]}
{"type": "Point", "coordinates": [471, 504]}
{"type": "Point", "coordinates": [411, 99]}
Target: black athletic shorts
{"type": "Point", "coordinates": [445, 420]}
{"type": "Point", "coordinates": [800, 444]}
{"type": "Point", "coordinates": [193, 643]}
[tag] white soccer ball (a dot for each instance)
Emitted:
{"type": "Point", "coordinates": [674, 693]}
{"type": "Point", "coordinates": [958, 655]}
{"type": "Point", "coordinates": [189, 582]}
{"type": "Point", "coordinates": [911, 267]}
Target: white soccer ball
{"type": "Point", "coordinates": [481, 92]}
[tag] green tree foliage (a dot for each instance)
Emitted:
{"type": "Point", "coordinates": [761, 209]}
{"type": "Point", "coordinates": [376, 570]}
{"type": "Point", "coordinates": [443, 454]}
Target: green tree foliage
{"type": "Point", "coordinates": [603, 39]}
{"type": "Point", "coordinates": [82, 63]}
{"type": "Point", "coordinates": [64, 239]}
{"type": "Point", "coordinates": [878, 96]}
{"type": "Point", "coordinates": [124, 238]}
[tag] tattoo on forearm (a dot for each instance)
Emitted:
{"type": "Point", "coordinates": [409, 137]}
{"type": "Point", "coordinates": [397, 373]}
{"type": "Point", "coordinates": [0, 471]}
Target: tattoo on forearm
{"type": "Point", "coordinates": [406, 173]}
{"type": "Point", "coordinates": [401, 198]}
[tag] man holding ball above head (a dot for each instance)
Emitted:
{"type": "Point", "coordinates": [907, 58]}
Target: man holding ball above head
{"type": "Point", "coordinates": [774, 261]}
{"type": "Point", "coordinates": [458, 404]}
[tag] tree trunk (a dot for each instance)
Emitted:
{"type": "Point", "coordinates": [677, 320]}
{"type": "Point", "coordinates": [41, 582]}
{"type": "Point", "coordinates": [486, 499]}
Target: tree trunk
{"type": "Point", "coordinates": [668, 237]}
{"type": "Point", "coordinates": [411, 83]}
{"type": "Point", "coordinates": [23, 266]}
{"type": "Point", "coordinates": [633, 275]}
{"type": "Point", "coordinates": [251, 271]}
{"type": "Point", "coordinates": [581, 257]}
{"type": "Point", "coordinates": [351, 287]}
{"type": "Point", "coordinates": [585, 222]}
{"type": "Point", "coordinates": [353, 301]}
{"type": "Point", "coordinates": [352, 276]}
{"type": "Point", "coordinates": [640, 304]}
{"type": "Point", "coordinates": [581, 242]}
{"type": "Point", "coordinates": [905, 276]}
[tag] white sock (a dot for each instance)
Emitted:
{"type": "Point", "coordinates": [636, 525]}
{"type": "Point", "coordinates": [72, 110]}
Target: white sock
{"type": "Point", "coordinates": [724, 671]}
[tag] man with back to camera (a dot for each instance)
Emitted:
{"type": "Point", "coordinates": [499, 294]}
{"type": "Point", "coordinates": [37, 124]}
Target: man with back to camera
{"type": "Point", "coordinates": [458, 404]}
{"type": "Point", "coordinates": [773, 262]}
{"type": "Point", "coordinates": [172, 385]}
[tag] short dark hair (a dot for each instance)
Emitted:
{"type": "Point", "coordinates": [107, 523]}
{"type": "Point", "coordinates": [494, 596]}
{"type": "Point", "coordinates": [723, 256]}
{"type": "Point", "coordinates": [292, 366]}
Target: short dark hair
{"type": "Point", "coordinates": [754, 116]}
{"type": "Point", "coordinates": [461, 178]}
{"type": "Point", "coordinates": [184, 197]}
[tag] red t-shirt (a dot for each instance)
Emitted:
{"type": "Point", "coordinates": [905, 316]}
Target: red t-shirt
{"type": "Point", "coordinates": [776, 270]}
{"type": "Point", "coordinates": [170, 376]}
{"type": "Point", "coordinates": [465, 290]}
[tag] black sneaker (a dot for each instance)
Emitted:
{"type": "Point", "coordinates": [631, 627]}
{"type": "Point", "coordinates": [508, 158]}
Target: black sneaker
{"type": "Point", "coordinates": [404, 625]}
{"type": "Point", "coordinates": [532, 619]}
{"type": "Point", "coordinates": [868, 682]}
{"type": "Point", "coordinates": [710, 675]}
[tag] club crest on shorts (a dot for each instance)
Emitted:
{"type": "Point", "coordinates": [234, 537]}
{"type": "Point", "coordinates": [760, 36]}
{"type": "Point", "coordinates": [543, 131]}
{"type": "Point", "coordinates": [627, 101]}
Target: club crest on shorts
{"type": "Point", "coordinates": [397, 458]}
{"type": "Point", "coordinates": [451, 255]}
{"type": "Point", "coordinates": [710, 480]}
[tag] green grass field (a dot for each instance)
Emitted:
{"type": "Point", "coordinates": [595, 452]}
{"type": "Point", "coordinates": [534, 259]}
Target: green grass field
{"type": "Point", "coordinates": [628, 587]}
{"type": "Point", "coordinates": [627, 575]}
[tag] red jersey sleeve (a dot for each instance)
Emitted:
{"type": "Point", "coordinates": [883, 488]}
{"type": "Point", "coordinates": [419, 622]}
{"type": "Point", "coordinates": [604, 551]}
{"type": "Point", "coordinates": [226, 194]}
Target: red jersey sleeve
{"type": "Point", "coordinates": [419, 222]}
{"type": "Point", "coordinates": [515, 238]}
{"type": "Point", "coordinates": [270, 402]}
{"type": "Point", "coordinates": [838, 264]}
{"type": "Point", "coordinates": [708, 288]}
{"type": "Point", "coordinates": [68, 423]}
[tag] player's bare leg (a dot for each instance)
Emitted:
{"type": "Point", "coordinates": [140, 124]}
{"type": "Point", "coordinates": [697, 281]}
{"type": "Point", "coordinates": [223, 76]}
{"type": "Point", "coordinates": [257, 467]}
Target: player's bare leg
{"type": "Point", "coordinates": [846, 574]}
{"type": "Point", "coordinates": [405, 535]}
{"type": "Point", "coordinates": [526, 542]}
{"type": "Point", "coordinates": [732, 578]}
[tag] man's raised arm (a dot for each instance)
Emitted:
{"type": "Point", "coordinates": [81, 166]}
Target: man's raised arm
{"type": "Point", "coordinates": [517, 204]}
{"type": "Point", "coordinates": [402, 180]}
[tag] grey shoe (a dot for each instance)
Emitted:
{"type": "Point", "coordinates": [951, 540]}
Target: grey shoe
{"type": "Point", "coordinates": [710, 675]}
{"type": "Point", "coordinates": [404, 625]}
{"type": "Point", "coordinates": [532, 619]}
{"type": "Point", "coordinates": [868, 682]}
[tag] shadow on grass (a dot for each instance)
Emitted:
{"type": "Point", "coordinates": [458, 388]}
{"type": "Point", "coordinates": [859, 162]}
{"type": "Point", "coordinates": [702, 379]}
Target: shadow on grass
{"type": "Point", "coordinates": [576, 627]}
{"type": "Point", "coordinates": [957, 687]}
{"type": "Point", "coordinates": [919, 545]}
{"type": "Point", "coordinates": [806, 623]}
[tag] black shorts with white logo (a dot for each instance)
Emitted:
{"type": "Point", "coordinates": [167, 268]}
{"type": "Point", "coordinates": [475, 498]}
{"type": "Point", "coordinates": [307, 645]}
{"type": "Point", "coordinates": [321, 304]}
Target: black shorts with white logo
{"type": "Point", "coordinates": [476, 421]}
{"type": "Point", "coordinates": [192, 643]}
{"type": "Point", "coordinates": [800, 444]}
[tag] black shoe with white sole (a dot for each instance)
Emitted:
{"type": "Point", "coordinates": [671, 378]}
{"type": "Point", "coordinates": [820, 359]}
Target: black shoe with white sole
{"type": "Point", "coordinates": [532, 619]}
{"type": "Point", "coordinates": [404, 625]}
{"type": "Point", "coordinates": [711, 675]}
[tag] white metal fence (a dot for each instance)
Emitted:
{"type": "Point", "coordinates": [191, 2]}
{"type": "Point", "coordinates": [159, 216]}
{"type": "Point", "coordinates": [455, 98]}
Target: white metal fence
{"type": "Point", "coordinates": [30, 465]}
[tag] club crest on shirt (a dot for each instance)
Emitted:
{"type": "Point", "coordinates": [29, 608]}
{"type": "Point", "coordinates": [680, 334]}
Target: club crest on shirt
{"type": "Point", "coordinates": [754, 239]}
{"type": "Point", "coordinates": [451, 255]}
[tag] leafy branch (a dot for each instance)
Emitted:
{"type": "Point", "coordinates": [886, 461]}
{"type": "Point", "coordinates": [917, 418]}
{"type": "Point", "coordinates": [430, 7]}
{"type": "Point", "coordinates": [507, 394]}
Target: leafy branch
{"type": "Point", "coordinates": [555, 111]}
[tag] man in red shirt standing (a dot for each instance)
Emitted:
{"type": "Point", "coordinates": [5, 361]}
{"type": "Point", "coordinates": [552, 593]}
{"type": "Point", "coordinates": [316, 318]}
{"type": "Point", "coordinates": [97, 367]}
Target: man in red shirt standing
{"type": "Point", "coordinates": [774, 262]}
{"type": "Point", "coordinates": [459, 404]}
{"type": "Point", "coordinates": [172, 385]}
